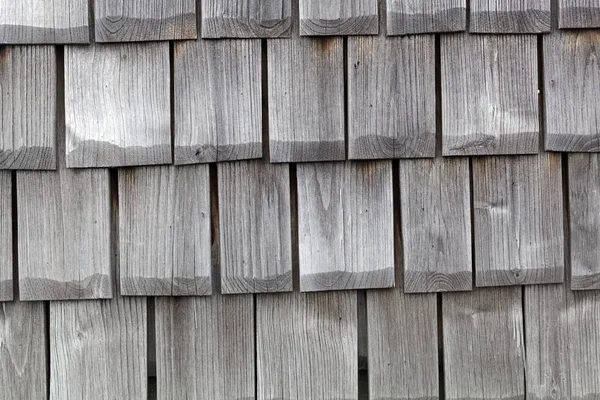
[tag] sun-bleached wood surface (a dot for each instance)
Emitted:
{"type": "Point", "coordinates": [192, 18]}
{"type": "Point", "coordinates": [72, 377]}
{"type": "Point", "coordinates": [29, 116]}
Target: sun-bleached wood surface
{"type": "Point", "coordinates": [339, 17]}
{"type": "Point", "coordinates": [117, 105]}
{"type": "Point", "coordinates": [406, 17]}
{"type": "Point", "coordinates": [579, 13]}
{"type": "Point", "coordinates": [509, 16]}
{"type": "Point", "coordinates": [6, 237]}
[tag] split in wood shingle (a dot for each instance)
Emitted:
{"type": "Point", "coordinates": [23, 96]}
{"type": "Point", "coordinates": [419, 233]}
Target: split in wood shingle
{"type": "Point", "coordinates": [407, 17]}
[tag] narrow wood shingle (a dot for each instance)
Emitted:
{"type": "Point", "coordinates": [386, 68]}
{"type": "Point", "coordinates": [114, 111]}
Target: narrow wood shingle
{"type": "Point", "coordinates": [99, 349]}
{"type": "Point", "coordinates": [246, 19]}
{"type": "Point", "coordinates": [217, 101]}
{"type": "Point", "coordinates": [165, 242]}
{"type": "Point", "coordinates": [518, 220]}
{"type": "Point", "coordinates": [306, 346]}
{"type": "Point", "coordinates": [572, 91]}
{"type": "Point", "coordinates": [407, 17]}
{"type": "Point", "coordinates": [489, 94]}
{"type": "Point", "coordinates": [27, 107]}
{"type": "Point", "coordinates": [436, 224]}
{"type": "Point", "coordinates": [509, 16]}
{"type": "Point", "coordinates": [44, 22]}
{"type": "Point", "coordinates": [579, 13]}
{"type": "Point", "coordinates": [345, 224]}
{"type": "Point", "coordinates": [117, 105]}
{"type": "Point", "coordinates": [144, 20]}
{"type": "Point", "coordinates": [391, 101]}
{"type": "Point", "coordinates": [6, 237]}
{"type": "Point", "coordinates": [339, 17]}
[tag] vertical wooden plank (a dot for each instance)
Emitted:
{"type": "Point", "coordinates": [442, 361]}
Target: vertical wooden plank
{"type": "Point", "coordinates": [117, 105]}
{"type": "Point", "coordinates": [248, 19]}
{"type": "Point", "coordinates": [339, 17]}
{"type": "Point", "coordinates": [579, 14]}
{"type": "Point", "coordinates": [255, 227]}
{"type": "Point", "coordinates": [306, 99]}
{"type": "Point", "coordinates": [345, 224]}
{"type": "Point", "coordinates": [23, 351]}
{"type": "Point", "coordinates": [307, 346]}
{"type": "Point", "coordinates": [518, 220]}
{"type": "Point", "coordinates": [34, 21]}
{"type": "Point", "coordinates": [406, 17]}
{"type": "Point", "coordinates": [27, 107]}
{"type": "Point", "coordinates": [217, 100]}
{"type": "Point", "coordinates": [484, 357]}
{"type": "Point", "coordinates": [205, 347]}
{"type": "Point", "coordinates": [436, 224]}
{"type": "Point", "coordinates": [489, 94]}
{"type": "Point", "coordinates": [165, 231]}
{"type": "Point", "coordinates": [391, 99]}
{"type": "Point", "coordinates": [572, 91]}
{"type": "Point", "coordinates": [98, 349]}
{"type": "Point", "coordinates": [509, 16]}
{"type": "Point", "coordinates": [142, 20]}
{"type": "Point", "coordinates": [6, 237]}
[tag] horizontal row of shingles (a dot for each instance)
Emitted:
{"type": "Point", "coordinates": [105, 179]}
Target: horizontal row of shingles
{"type": "Point", "coordinates": [118, 113]}
{"type": "Point", "coordinates": [67, 21]}
{"type": "Point", "coordinates": [539, 342]}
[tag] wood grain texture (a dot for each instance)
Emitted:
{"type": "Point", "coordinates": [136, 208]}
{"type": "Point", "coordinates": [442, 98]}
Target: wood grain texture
{"type": "Point", "coordinates": [484, 354]}
{"type": "Point", "coordinates": [572, 91]}
{"type": "Point", "coordinates": [345, 225]}
{"type": "Point", "coordinates": [6, 237]}
{"type": "Point", "coordinates": [255, 227]}
{"type": "Point", "coordinates": [98, 349]}
{"type": "Point", "coordinates": [512, 16]}
{"type": "Point", "coordinates": [117, 105]}
{"type": "Point", "coordinates": [579, 14]}
{"type": "Point", "coordinates": [27, 107]}
{"type": "Point", "coordinates": [584, 220]}
{"type": "Point", "coordinates": [205, 348]}
{"type": "Point", "coordinates": [246, 19]}
{"type": "Point", "coordinates": [391, 103]}
{"type": "Point", "coordinates": [64, 233]}
{"type": "Point", "coordinates": [218, 110]}
{"type": "Point", "coordinates": [436, 225]}
{"type": "Point", "coordinates": [489, 94]}
{"type": "Point", "coordinates": [306, 99]}
{"type": "Point", "coordinates": [339, 17]}
{"type": "Point", "coordinates": [44, 22]}
{"type": "Point", "coordinates": [22, 351]}
{"type": "Point", "coordinates": [164, 234]}
{"type": "Point", "coordinates": [518, 220]}
{"type": "Point", "coordinates": [406, 17]}
{"type": "Point", "coordinates": [143, 20]}
{"type": "Point", "coordinates": [306, 346]}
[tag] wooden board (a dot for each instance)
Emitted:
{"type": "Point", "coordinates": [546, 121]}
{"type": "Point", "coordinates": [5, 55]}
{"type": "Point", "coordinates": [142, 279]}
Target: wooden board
{"type": "Point", "coordinates": [205, 348]}
{"type": "Point", "coordinates": [117, 105]}
{"type": "Point", "coordinates": [248, 19]}
{"type": "Point", "coordinates": [345, 225]}
{"type": "Point", "coordinates": [64, 232]}
{"type": "Point", "coordinates": [6, 237]}
{"type": "Point", "coordinates": [35, 21]}
{"type": "Point", "coordinates": [579, 14]}
{"type": "Point", "coordinates": [164, 233]}
{"type": "Point", "coordinates": [572, 90]}
{"type": "Point", "coordinates": [436, 224]}
{"type": "Point", "coordinates": [27, 106]}
{"type": "Point", "coordinates": [518, 220]}
{"type": "Point", "coordinates": [406, 17]}
{"type": "Point", "coordinates": [391, 104]}
{"type": "Point", "coordinates": [255, 227]}
{"type": "Point", "coordinates": [489, 94]}
{"type": "Point", "coordinates": [142, 20]}
{"type": "Point", "coordinates": [512, 16]}
{"type": "Point", "coordinates": [23, 351]}
{"type": "Point", "coordinates": [98, 349]}
{"type": "Point", "coordinates": [339, 17]}
{"type": "Point", "coordinates": [306, 99]}
{"type": "Point", "coordinates": [484, 354]}
{"type": "Point", "coordinates": [218, 105]}
{"type": "Point", "coordinates": [306, 346]}
{"type": "Point", "coordinates": [584, 220]}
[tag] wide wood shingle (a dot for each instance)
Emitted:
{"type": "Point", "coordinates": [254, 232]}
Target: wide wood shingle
{"type": "Point", "coordinates": [407, 17]}
{"type": "Point", "coordinates": [339, 17]}
{"type": "Point", "coordinates": [509, 16]}
{"type": "Point", "coordinates": [6, 237]}
{"type": "Point", "coordinates": [579, 13]}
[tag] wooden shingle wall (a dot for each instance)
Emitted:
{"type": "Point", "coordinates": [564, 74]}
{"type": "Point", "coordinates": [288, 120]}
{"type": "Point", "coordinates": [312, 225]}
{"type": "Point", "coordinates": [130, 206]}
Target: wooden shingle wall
{"type": "Point", "coordinates": [299, 199]}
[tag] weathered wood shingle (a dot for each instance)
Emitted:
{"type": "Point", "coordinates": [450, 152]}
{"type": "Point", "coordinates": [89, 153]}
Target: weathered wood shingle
{"type": "Point", "coordinates": [6, 237]}
{"type": "Point", "coordinates": [339, 17]}
{"type": "Point", "coordinates": [579, 13]}
{"type": "Point", "coordinates": [407, 17]}
{"type": "Point", "coordinates": [509, 16]}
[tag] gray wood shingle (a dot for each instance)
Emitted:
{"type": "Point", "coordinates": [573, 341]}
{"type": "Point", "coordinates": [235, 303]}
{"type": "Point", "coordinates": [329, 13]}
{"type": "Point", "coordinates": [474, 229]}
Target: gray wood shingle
{"type": "Point", "coordinates": [509, 16]}
{"type": "Point", "coordinates": [407, 17]}
{"type": "Point", "coordinates": [579, 13]}
{"type": "Point", "coordinates": [6, 237]}
{"type": "Point", "coordinates": [339, 17]}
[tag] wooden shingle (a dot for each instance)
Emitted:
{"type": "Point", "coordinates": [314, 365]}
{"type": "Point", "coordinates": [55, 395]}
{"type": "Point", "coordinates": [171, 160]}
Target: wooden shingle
{"type": "Point", "coordinates": [509, 16]}
{"type": "Point", "coordinates": [579, 14]}
{"type": "Point", "coordinates": [339, 17]}
{"type": "Point", "coordinates": [6, 237]}
{"type": "Point", "coordinates": [407, 17]}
